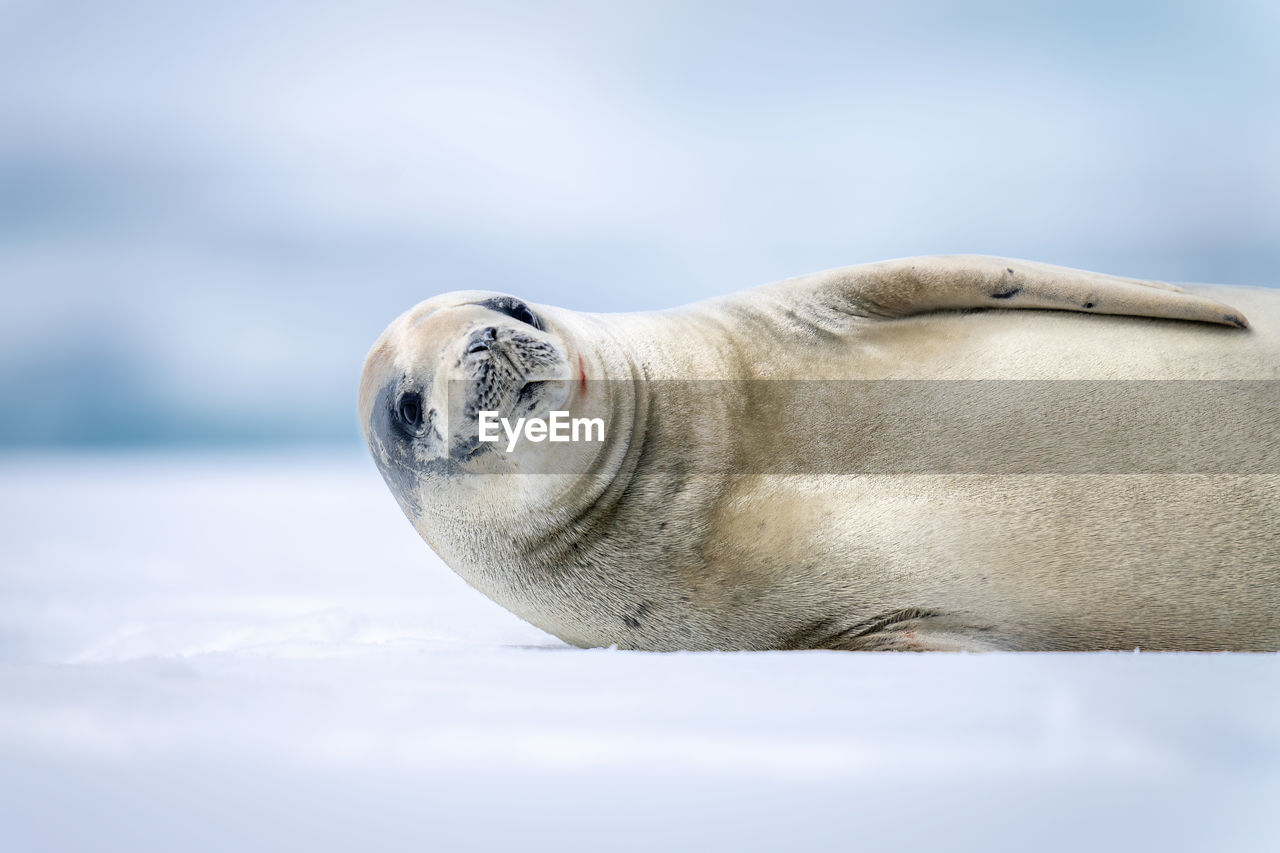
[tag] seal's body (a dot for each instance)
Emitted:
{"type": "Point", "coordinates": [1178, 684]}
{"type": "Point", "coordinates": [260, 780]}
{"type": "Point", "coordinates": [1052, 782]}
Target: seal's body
{"type": "Point", "coordinates": [681, 531]}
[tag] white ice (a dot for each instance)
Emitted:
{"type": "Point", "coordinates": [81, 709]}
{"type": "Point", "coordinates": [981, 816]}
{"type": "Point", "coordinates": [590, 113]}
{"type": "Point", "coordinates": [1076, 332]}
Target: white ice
{"type": "Point", "coordinates": [256, 652]}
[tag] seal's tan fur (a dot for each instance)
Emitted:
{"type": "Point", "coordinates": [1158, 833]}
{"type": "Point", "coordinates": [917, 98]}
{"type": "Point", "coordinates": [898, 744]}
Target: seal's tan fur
{"type": "Point", "coordinates": [639, 554]}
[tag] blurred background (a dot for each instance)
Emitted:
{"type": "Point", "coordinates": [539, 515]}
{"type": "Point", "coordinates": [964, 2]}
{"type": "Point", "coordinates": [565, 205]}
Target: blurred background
{"type": "Point", "coordinates": [209, 211]}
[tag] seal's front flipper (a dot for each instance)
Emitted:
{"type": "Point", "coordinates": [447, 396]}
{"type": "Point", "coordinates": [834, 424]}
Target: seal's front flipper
{"type": "Point", "coordinates": [918, 285]}
{"type": "Point", "coordinates": [911, 629]}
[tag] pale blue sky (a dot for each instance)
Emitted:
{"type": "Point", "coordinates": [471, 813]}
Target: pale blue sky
{"type": "Point", "coordinates": [209, 211]}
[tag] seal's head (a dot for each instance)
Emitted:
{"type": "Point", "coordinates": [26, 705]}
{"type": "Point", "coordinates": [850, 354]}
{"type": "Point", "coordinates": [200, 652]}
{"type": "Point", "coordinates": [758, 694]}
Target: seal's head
{"type": "Point", "coordinates": [440, 364]}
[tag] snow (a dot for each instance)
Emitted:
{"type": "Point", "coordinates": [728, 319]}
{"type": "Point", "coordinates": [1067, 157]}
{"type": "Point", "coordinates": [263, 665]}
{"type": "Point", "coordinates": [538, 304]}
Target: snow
{"type": "Point", "coordinates": [254, 651]}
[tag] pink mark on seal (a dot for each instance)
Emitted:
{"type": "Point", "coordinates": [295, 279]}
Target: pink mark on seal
{"type": "Point", "coordinates": [582, 375]}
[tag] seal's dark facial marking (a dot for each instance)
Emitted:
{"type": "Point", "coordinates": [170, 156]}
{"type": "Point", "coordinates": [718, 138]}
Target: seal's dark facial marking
{"type": "Point", "coordinates": [513, 308]}
{"type": "Point", "coordinates": [392, 442]}
{"type": "Point", "coordinates": [1236, 321]}
{"type": "Point", "coordinates": [1007, 292]}
{"type": "Point", "coordinates": [1087, 305]}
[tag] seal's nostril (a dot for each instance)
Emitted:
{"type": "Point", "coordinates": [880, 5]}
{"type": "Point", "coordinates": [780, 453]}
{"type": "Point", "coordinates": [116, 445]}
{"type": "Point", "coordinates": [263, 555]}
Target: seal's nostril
{"type": "Point", "coordinates": [481, 340]}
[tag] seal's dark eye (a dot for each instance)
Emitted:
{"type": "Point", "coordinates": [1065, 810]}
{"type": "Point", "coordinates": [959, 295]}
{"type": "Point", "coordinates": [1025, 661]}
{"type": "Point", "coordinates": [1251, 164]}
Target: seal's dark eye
{"type": "Point", "coordinates": [410, 409]}
{"type": "Point", "coordinates": [513, 308]}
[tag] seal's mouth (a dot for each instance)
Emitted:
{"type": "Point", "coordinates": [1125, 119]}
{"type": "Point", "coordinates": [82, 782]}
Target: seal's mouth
{"type": "Point", "coordinates": [529, 391]}
{"type": "Point", "coordinates": [522, 398]}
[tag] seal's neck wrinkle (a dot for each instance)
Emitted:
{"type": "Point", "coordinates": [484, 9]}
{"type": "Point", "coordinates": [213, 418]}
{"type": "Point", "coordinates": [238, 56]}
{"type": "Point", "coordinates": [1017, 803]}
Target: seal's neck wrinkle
{"type": "Point", "coordinates": [621, 478]}
{"type": "Point", "coordinates": [586, 502]}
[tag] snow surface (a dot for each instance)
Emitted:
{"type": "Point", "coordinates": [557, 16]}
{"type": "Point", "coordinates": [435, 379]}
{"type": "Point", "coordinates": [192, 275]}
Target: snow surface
{"type": "Point", "coordinates": [256, 652]}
